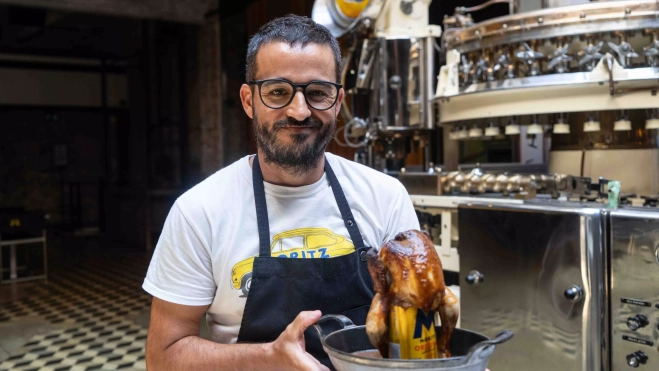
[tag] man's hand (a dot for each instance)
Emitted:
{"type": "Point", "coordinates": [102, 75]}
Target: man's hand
{"type": "Point", "coordinates": [174, 344]}
{"type": "Point", "coordinates": [288, 351]}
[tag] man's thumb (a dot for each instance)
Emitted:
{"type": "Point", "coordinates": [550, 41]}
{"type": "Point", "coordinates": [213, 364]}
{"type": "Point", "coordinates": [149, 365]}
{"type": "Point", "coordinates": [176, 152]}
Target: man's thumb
{"type": "Point", "coordinates": [304, 320]}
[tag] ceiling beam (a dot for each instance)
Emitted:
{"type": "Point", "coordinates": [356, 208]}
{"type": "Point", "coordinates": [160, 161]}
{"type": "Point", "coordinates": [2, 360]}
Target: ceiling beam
{"type": "Point", "coordinates": [185, 11]}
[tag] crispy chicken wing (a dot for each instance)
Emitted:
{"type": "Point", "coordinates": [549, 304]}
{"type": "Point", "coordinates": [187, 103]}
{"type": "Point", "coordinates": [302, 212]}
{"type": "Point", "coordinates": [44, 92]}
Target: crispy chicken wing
{"type": "Point", "coordinates": [407, 272]}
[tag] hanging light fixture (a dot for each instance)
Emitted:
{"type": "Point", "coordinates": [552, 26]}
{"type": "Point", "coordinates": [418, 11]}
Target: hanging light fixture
{"type": "Point", "coordinates": [453, 134]}
{"type": "Point", "coordinates": [652, 123]}
{"type": "Point", "coordinates": [475, 132]}
{"type": "Point", "coordinates": [535, 128]}
{"type": "Point", "coordinates": [622, 123]}
{"type": "Point", "coordinates": [463, 133]}
{"type": "Point", "coordinates": [591, 125]}
{"type": "Point", "coordinates": [512, 128]}
{"type": "Point", "coordinates": [561, 127]}
{"type": "Point", "coordinates": [653, 119]}
{"type": "Point", "coordinates": [492, 130]}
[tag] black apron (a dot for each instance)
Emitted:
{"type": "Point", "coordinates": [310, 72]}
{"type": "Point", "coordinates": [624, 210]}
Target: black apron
{"type": "Point", "coordinates": [283, 287]}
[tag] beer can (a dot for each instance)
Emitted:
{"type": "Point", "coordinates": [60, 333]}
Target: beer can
{"type": "Point", "coordinates": [412, 334]}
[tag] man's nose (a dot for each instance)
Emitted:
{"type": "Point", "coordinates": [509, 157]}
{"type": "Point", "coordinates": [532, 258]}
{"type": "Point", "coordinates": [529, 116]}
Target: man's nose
{"type": "Point", "coordinates": [298, 109]}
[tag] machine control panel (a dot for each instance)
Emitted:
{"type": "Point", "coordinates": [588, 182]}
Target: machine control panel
{"type": "Point", "coordinates": [637, 322]}
{"type": "Point", "coordinates": [637, 358]}
{"type": "Point", "coordinates": [634, 289]}
{"type": "Point", "coordinates": [636, 333]}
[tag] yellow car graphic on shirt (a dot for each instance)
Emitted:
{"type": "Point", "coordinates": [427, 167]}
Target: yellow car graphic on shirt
{"type": "Point", "coordinates": [301, 243]}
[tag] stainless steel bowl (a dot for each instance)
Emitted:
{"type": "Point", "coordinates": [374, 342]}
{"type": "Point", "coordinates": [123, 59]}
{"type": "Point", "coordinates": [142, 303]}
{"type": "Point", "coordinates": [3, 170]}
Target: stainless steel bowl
{"type": "Point", "coordinates": [341, 339]}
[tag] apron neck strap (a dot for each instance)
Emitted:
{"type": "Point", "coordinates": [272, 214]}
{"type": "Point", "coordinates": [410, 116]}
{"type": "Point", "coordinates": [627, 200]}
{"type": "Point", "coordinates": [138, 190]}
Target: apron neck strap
{"type": "Point", "coordinates": [262, 208]}
{"type": "Point", "coordinates": [344, 207]}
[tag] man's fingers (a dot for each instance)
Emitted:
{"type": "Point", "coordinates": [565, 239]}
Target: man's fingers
{"type": "Point", "coordinates": [304, 320]}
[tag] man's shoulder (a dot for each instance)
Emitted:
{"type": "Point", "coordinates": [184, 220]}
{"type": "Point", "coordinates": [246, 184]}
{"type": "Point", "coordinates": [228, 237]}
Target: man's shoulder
{"type": "Point", "coordinates": [217, 189]}
{"type": "Point", "coordinates": [363, 173]}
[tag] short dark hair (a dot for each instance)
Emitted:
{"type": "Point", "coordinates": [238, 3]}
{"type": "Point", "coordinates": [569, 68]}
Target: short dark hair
{"type": "Point", "coordinates": [294, 30]}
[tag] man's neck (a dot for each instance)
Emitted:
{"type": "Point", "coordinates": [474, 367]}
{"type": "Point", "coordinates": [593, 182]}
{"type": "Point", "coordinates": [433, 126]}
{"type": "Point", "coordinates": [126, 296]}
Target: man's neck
{"type": "Point", "coordinates": [274, 174]}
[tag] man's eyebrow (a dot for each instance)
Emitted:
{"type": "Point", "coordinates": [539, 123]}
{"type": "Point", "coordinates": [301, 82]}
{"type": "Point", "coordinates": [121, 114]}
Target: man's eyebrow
{"type": "Point", "coordinates": [287, 80]}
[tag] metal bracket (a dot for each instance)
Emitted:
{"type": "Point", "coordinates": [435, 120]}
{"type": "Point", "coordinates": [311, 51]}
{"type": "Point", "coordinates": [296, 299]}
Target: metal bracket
{"type": "Point", "coordinates": [609, 66]}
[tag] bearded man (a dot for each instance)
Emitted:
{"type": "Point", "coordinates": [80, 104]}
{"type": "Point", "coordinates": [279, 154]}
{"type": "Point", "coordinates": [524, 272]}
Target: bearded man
{"type": "Point", "coordinates": [265, 245]}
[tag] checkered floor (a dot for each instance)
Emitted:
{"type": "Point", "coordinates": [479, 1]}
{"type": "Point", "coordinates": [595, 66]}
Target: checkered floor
{"type": "Point", "coordinates": [92, 303]}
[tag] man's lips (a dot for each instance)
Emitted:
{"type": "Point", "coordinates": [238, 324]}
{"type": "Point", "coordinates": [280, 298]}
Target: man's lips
{"type": "Point", "coordinates": [298, 127]}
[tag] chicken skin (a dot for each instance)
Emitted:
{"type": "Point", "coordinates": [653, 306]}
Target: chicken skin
{"type": "Point", "coordinates": [407, 272]}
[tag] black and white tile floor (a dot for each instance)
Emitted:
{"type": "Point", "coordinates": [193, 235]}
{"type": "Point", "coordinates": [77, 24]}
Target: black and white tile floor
{"type": "Point", "coordinates": [92, 304]}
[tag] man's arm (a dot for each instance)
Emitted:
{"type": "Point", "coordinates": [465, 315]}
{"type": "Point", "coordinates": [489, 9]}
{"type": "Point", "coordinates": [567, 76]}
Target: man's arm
{"type": "Point", "coordinates": [174, 344]}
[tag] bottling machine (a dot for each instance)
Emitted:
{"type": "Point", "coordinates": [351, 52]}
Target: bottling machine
{"type": "Point", "coordinates": [541, 247]}
{"type": "Point", "coordinates": [389, 78]}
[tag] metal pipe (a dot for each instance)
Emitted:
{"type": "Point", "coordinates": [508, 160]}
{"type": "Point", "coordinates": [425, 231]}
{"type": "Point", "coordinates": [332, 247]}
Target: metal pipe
{"type": "Point", "coordinates": [427, 81]}
{"type": "Point", "coordinates": [345, 112]}
{"type": "Point", "coordinates": [514, 7]}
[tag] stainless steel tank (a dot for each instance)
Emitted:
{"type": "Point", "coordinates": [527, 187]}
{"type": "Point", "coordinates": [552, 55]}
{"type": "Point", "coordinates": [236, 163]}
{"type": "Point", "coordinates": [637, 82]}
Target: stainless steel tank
{"type": "Point", "coordinates": [540, 271]}
{"type": "Point", "coordinates": [635, 288]}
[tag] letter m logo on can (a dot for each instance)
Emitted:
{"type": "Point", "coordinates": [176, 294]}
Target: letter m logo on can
{"type": "Point", "coordinates": [423, 320]}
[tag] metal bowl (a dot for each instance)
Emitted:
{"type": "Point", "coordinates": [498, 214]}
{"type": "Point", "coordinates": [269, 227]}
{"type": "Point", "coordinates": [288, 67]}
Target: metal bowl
{"type": "Point", "coordinates": [471, 350]}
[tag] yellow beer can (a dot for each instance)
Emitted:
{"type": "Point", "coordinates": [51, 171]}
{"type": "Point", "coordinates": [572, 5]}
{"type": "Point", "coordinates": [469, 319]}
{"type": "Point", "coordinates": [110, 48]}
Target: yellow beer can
{"type": "Point", "coordinates": [412, 334]}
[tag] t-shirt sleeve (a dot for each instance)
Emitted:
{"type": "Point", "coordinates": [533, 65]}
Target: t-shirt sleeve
{"type": "Point", "coordinates": [402, 216]}
{"type": "Point", "coordinates": [180, 271]}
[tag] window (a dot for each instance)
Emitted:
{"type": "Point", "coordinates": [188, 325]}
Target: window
{"type": "Point", "coordinates": [315, 241]}
{"type": "Point", "coordinates": [290, 243]}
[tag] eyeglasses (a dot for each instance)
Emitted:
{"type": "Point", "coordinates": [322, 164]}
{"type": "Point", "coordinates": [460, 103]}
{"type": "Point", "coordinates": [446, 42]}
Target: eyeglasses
{"type": "Point", "coordinates": [279, 93]}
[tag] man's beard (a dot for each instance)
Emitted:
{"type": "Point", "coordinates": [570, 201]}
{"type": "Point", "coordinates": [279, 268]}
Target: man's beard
{"type": "Point", "coordinates": [297, 158]}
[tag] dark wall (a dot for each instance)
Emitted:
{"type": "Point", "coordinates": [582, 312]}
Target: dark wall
{"type": "Point", "coordinates": [47, 153]}
{"type": "Point", "coordinates": [117, 170]}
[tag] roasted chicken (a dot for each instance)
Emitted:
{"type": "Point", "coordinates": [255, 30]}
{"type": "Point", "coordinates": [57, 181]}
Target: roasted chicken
{"type": "Point", "coordinates": [407, 272]}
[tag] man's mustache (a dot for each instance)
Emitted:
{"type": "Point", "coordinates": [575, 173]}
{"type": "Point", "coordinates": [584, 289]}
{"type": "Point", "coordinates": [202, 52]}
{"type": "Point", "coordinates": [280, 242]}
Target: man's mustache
{"type": "Point", "coordinates": [291, 122]}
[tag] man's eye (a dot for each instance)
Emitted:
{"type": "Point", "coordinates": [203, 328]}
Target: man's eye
{"type": "Point", "coordinates": [277, 92]}
{"type": "Point", "coordinates": [317, 93]}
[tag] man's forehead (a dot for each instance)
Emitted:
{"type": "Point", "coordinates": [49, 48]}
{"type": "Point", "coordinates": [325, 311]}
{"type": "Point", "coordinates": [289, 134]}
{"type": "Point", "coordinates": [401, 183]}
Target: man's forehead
{"type": "Point", "coordinates": [297, 62]}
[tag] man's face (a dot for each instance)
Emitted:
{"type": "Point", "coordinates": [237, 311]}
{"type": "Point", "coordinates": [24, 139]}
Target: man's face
{"type": "Point", "coordinates": [293, 137]}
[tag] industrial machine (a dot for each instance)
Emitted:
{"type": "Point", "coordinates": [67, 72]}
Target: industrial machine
{"type": "Point", "coordinates": [389, 76]}
{"type": "Point", "coordinates": [540, 270]}
{"type": "Point", "coordinates": [634, 292]}
{"type": "Point", "coordinates": [572, 88]}
{"type": "Point", "coordinates": [577, 282]}
{"type": "Point", "coordinates": [578, 81]}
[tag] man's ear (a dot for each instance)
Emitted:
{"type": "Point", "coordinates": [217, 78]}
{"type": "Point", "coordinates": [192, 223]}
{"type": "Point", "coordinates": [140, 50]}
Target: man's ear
{"type": "Point", "coordinates": [339, 101]}
{"type": "Point", "coordinates": [246, 99]}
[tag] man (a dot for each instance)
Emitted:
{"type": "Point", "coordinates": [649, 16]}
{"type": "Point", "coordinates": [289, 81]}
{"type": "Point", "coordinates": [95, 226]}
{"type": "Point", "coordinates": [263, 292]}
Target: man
{"type": "Point", "coordinates": [264, 245]}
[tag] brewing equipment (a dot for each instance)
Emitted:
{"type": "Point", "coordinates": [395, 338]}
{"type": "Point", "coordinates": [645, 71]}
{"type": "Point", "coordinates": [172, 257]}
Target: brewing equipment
{"type": "Point", "coordinates": [634, 288]}
{"type": "Point", "coordinates": [585, 77]}
{"type": "Point", "coordinates": [540, 270]}
{"type": "Point", "coordinates": [389, 78]}
{"type": "Point", "coordinates": [577, 282]}
{"type": "Point", "coordinates": [540, 251]}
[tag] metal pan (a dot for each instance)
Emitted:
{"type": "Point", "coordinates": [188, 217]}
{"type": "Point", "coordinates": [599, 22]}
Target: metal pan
{"type": "Point", "coordinates": [471, 350]}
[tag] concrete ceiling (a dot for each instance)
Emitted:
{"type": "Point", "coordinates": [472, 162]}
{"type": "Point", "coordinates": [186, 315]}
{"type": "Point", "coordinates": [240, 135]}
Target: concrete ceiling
{"type": "Point", "coordinates": [186, 11]}
{"type": "Point", "coordinates": [61, 33]}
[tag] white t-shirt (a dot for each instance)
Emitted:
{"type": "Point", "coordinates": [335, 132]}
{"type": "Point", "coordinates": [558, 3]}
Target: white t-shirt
{"type": "Point", "coordinates": [205, 251]}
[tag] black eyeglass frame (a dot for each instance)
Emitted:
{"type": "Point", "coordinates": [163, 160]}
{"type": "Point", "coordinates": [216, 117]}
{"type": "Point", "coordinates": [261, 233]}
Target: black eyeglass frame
{"type": "Point", "coordinates": [259, 83]}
